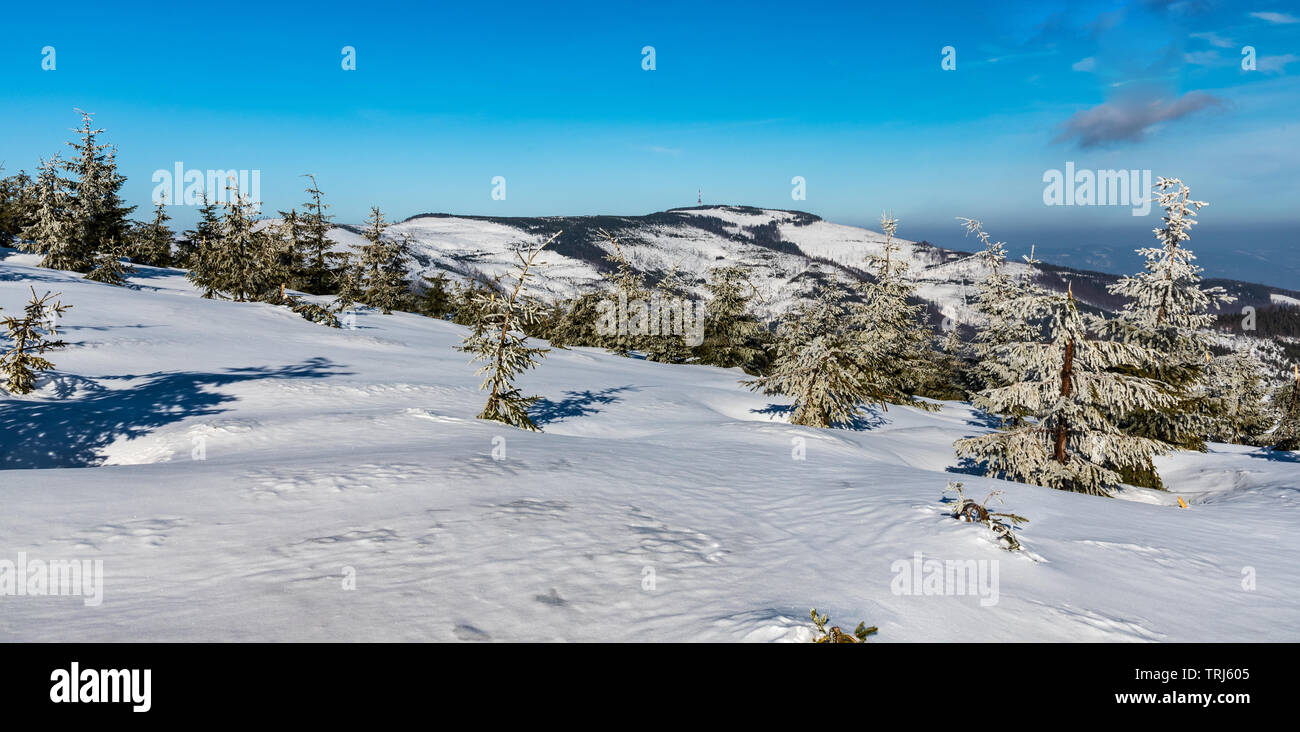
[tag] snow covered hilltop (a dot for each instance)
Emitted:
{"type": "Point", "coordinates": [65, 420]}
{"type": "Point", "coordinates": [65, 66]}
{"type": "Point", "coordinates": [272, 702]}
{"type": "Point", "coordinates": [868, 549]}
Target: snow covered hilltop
{"type": "Point", "coordinates": [244, 474]}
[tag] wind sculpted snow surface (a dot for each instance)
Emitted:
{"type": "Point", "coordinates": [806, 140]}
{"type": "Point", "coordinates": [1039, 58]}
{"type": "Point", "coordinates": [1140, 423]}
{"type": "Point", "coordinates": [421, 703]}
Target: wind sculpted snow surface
{"type": "Point", "coordinates": [662, 503]}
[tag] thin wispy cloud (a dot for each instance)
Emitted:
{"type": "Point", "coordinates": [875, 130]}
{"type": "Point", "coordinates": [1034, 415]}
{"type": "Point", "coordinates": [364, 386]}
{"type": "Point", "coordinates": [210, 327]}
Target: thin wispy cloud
{"type": "Point", "coordinates": [1276, 64]}
{"type": "Point", "coordinates": [1276, 18]}
{"type": "Point", "coordinates": [1214, 39]}
{"type": "Point", "coordinates": [1202, 58]}
{"type": "Point", "coordinates": [1086, 64]}
{"type": "Point", "coordinates": [1129, 119]}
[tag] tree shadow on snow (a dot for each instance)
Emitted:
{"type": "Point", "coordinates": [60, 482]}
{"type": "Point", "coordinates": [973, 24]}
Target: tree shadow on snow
{"type": "Point", "coordinates": [968, 466]}
{"type": "Point", "coordinates": [872, 419]}
{"type": "Point", "coordinates": [70, 433]}
{"type": "Point", "coordinates": [575, 404]}
{"type": "Point", "coordinates": [1282, 456]}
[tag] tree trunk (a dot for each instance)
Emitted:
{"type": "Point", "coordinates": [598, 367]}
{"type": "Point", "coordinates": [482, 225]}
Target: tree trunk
{"type": "Point", "coordinates": [1067, 386]}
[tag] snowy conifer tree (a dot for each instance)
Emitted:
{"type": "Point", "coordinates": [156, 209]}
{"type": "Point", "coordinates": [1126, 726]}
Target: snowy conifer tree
{"type": "Point", "coordinates": [383, 267]}
{"type": "Point", "coordinates": [109, 267]}
{"type": "Point", "coordinates": [1286, 403]}
{"type": "Point", "coordinates": [1072, 384]}
{"type": "Point", "coordinates": [817, 364]}
{"type": "Point", "coordinates": [95, 208]}
{"type": "Point", "coordinates": [244, 262]}
{"type": "Point", "coordinates": [497, 340]}
{"type": "Point", "coordinates": [321, 266]}
{"type": "Point", "coordinates": [893, 341]}
{"type": "Point", "coordinates": [29, 339]}
{"type": "Point", "coordinates": [1237, 398]}
{"type": "Point", "coordinates": [349, 281]}
{"type": "Point", "coordinates": [16, 205]}
{"type": "Point", "coordinates": [628, 286]}
{"type": "Point", "coordinates": [732, 336]}
{"type": "Point", "coordinates": [1169, 313]}
{"type": "Point", "coordinates": [435, 300]}
{"type": "Point", "coordinates": [49, 230]}
{"type": "Point", "coordinates": [191, 252]}
{"type": "Point", "coordinates": [152, 242]}
{"type": "Point", "coordinates": [996, 328]}
{"type": "Point", "coordinates": [293, 259]}
{"type": "Point", "coordinates": [670, 347]}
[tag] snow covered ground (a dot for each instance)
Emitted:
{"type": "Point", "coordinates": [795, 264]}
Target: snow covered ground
{"type": "Point", "coordinates": [662, 503]}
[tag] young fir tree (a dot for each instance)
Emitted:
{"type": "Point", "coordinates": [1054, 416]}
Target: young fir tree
{"type": "Point", "coordinates": [577, 325]}
{"type": "Point", "coordinates": [435, 300]}
{"type": "Point", "coordinates": [29, 339]}
{"type": "Point", "coordinates": [383, 266]}
{"type": "Point", "coordinates": [244, 262]}
{"type": "Point", "coordinates": [49, 230]}
{"type": "Point", "coordinates": [16, 204]}
{"type": "Point", "coordinates": [152, 242]}
{"type": "Point", "coordinates": [951, 373]}
{"type": "Point", "coordinates": [1072, 384]}
{"type": "Point", "coordinates": [671, 347]}
{"type": "Point", "coordinates": [1169, 313]}
{"type": "Point", "coordinates": [95, 208]}
{"type": "Point", "coordinates": [1237, 393]}
{"type": "Point", "coordinates": [292, 260]}
{"type": "Point", "coordinates": [190, 254]}
{"type": "Point", "coordinates": [349, 281]}
{"type": "Point", "coordinates": [321, 265]}
{"type": "Point", "coordinates": [497, 340]}
{"type": "Point", "coordinates": [109, 266]}
{"type": "Point", "coordinates": [1286, 404]}
{"type": "Point", "coordinates": [817, 364]}
{"type": "Point", "coordinates": [893, 341]}
{"type": "Point", "coordinates": [629, 288]}
{"type": "Point", "coordinates": [732, 336]}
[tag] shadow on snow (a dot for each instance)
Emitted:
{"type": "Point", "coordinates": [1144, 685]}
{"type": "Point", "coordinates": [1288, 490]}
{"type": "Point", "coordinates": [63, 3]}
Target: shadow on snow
{"type": "Point", "coordinates": [70, 433]}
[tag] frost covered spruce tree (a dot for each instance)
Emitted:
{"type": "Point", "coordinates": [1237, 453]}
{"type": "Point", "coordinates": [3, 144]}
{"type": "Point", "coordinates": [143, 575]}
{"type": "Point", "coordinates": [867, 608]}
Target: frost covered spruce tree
{"type": "Point", "coordinates": [1237, 392]}
{"type": "Point", "coordinates": [1286, 403]}
{"type": "Point", "coordinates": [30, 337]}
{"type": "Point", "coordinates": [1169, 313]}
{"type": "Point", "coordinates": [49, 229]}
{"type": "Point", "coordinates": [192, 252]}
{"type": "Point", "coordinates": [893, 342]}
{"type": "Point", "coordinates": [320, 265]}
{"type": "Point", "coordinates": [110, 266]}
{"type": "Point", "coordinates": [95, 209]}
{"type": "Point", "coordinates": [497, 340]}
{"type": "Point", "coordinates": [243, 262]}
{"type": "Point", "coordinates": [817, 362]}
{"type": "Point", "coordinates": [382, 264]}
{"type": "Point", "coordinates": [1072, 384]}
{"type": "Point", "coordinates": [997, 327]}
{"type": "Point", "coordinates": [151, 243]}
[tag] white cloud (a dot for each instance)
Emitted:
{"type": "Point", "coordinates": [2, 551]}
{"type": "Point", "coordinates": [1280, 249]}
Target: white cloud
{"type": "Point", "coordinates": [1276, 18]}
{"type": "Point", "coordinates": [1276, 64]}
{"type": "Point", "coordinates": [1087, 64]}
{"type": "Point", "coordinates": [1202, 58]}
{"type": "Point", "coordinates": [1214, 39]}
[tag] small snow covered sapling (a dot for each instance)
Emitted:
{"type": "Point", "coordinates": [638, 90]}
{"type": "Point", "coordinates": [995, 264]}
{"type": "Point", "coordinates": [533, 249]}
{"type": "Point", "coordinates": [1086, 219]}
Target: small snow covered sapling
{"type": "Point", "coordinates": [835, 635]}
{"type": "Point", "coordinates": [497, 339]}
{"type": "Point", "coordinates": [29, 340]}
{"type": "Point", "coordinates": [109, 268]}
{"type": "Point", "coordinates": [973, 512]}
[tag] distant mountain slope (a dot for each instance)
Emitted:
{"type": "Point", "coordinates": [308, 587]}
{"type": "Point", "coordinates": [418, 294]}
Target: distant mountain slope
{"type": "Point", "coordinates": [789, 252]}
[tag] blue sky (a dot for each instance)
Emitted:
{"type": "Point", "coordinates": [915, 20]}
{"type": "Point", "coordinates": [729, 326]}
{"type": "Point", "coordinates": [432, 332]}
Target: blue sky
{"type": "Point", "coordinates": [744, 96]}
